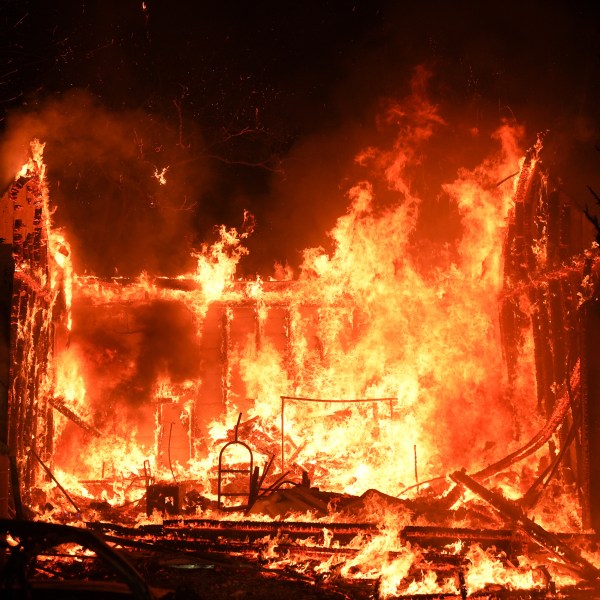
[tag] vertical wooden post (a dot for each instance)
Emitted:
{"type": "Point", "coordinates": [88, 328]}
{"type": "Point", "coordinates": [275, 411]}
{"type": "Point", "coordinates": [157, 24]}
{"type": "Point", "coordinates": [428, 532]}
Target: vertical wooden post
{"type": "Point", "coordinates": [589, 469]}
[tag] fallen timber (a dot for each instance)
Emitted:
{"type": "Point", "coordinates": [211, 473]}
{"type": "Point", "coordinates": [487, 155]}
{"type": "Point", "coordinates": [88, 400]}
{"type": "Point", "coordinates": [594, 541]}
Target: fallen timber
{"type": "Point", "coordinates": [549, 541]}
{"type": "Point", "coordinates": [239, 536]}
{"type": "Point", "coordinates": [240, 571]}
{"type": "Point", "coordinates": [179, 538]}
{"type": "Point", "coordinates": [213, 530]}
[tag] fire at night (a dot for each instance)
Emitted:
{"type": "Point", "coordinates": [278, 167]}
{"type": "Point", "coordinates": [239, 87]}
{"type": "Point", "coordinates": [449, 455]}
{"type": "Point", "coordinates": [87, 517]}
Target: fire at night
{"type": "Point", "coordinates": [410, 410]}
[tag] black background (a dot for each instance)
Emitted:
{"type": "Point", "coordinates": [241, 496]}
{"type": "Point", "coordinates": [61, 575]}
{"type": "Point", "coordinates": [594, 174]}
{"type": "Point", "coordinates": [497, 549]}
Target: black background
{"type": "Point", "coordinates": [262, 106]}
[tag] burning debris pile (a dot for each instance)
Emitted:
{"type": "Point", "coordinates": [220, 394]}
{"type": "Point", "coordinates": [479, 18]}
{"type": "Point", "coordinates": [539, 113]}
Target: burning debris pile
{"type": "Point", "coordinates": [419, 418]}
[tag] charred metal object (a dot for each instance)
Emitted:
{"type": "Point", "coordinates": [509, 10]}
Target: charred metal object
{"type": "Point", "coordinates": [163, 498]}
{"type": "Point", "coordinates": [239, 473]}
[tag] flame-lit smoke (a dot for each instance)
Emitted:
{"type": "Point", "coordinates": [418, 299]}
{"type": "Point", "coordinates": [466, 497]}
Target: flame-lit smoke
{"type": "Point", "coordinates": [102, 166]}
{"type": "Point", "coordinates": [167, 347]}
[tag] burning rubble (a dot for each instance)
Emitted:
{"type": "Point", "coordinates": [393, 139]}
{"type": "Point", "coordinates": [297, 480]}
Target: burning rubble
{"type": "Point", "coordinates": [401, 418]}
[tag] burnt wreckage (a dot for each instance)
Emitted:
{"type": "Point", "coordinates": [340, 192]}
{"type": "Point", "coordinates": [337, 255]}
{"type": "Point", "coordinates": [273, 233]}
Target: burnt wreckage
{"type": "Point", "coordinates": [551, 292]}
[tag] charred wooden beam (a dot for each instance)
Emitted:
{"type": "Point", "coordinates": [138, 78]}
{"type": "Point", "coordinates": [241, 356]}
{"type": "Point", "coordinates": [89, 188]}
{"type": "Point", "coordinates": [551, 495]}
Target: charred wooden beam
{"type": "Point", "coordinates": [549, 541]}
{"type": "Point", "coordinates": [589, 468]}
{"type": "Point", "coordinates": [59, 404]}
{"type": "Point", "coordinates": [60, 487]}
{"type": "Point", "coordinates": [6, 284]}
{"type": "Point", "coordinates": [545, 376]}
{"type": "Point", "coordinates": [442, 536]}
{"type": "Point", "coordinates": [534, 492]}
{"type": "Point", "coordinates": [211, 529]}
{"type": "Point", "coordinates": [15, 487]}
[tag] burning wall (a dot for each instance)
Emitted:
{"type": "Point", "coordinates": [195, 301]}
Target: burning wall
{"type": "Point", "coordinates": [29, 301]}
{"type": "Point", "coordinates": [551, 283]}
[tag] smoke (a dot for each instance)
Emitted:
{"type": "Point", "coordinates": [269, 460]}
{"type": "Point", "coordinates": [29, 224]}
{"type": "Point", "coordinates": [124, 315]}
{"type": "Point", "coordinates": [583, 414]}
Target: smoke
{"type": "Point", "coordinates": [266, 112]}
{"type": "Point", "coordinates": [129, 349]}
{"type": "Point", "coordinates": [409, 133]}
{"type": "Point", "coordinates": [537, 65]}
{"type": "Point", "coordinates": [168, 348]}
{"type": "Point", "coordinates": [123, 186]}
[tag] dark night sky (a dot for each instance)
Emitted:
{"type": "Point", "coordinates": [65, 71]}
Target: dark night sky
{"type": "Point", "coordinates": [262, 105]}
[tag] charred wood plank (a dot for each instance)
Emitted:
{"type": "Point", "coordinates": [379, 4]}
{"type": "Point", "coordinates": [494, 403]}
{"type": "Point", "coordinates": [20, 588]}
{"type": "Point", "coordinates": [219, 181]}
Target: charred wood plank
{"type": "Point", "coordinates": [557, 324]}
{"type": "Point", "coordinates": [554, 229]}
{"type": "Point", "coordinates": [567, 245]}
{"type": "Point", "coordinates": [589, 467]}
{"type": "Point", "coordinates": [534, 492]}
{"type": "Point", "coordinates": [15, 487]}
{"type": "Point", "coordinates": [543, 347]}
{"type": "Point", "coordinates": [211, 529]}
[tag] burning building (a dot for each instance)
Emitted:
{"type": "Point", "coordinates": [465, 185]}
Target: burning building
{"type": "Point", "coordinates": [425, 412]}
